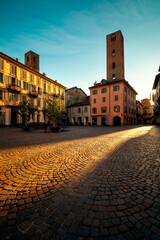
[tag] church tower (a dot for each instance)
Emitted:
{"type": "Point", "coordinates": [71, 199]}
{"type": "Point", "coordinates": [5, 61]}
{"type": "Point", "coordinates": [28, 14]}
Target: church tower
{"type": "Point", "coordinates": [32, 60]}
{"type": "Point", "coordinates": [115, 56]}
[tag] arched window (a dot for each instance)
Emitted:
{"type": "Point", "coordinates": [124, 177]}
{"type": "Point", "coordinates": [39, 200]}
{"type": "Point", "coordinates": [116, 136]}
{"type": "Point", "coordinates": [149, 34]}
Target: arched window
{"type": "Point", "coordinates": [113, 65]}
{"type": "Point", "coordinates": [113, 37]}
{"type": "Point", "coordinates": [113, 76]}
{"type": "Point", "coordinates": [113, 53]}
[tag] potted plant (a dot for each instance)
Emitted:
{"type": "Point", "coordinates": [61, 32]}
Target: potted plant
{"type": "Point", "coordinates": [54, 110]}
{"type": "Point", "coordinates": [25, 110]}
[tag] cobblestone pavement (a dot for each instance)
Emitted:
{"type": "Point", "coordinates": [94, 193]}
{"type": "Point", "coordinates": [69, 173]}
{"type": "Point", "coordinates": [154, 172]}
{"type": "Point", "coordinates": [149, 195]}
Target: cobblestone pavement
{"type": "Point", "coordinates": [84, 183]}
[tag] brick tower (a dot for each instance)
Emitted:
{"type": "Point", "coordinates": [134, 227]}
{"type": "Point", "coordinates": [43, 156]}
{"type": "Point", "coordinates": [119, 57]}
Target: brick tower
{"type": "Point", "coordinates": [32, 60]}
{"type": "Point", "coordinates": [115, 56]}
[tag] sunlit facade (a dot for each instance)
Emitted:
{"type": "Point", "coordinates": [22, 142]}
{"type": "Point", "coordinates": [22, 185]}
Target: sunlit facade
{"type": "Point", "coordinates": [112, 103]}
{"type": "Point", "coordinates": [156, 88]}
{"type": "Point", "coordinates": [147, 111]}
{"type": "Point", "coordinates": [19, 82]}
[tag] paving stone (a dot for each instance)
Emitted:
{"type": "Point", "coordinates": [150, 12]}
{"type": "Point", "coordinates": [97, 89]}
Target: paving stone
{"type": "Point", "coordinates": [83, 231]}
{"type": "Point", "coordinates": [74, 187]}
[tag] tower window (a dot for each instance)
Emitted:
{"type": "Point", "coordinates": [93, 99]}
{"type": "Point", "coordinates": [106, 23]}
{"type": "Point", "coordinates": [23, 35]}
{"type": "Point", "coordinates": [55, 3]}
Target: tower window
{"type": "Point", "coordinates": [113, 65]}
{"type": "Point", "coordinates": [27, 58]}
{"type": "Point", "coordinates": [113, 76]}
{"type": "Point", "coordinates": [113, 53]}
{"type": "Point", "coordinates": [34, 59]}
{"type": "Point", "coordinates": [113, 37]}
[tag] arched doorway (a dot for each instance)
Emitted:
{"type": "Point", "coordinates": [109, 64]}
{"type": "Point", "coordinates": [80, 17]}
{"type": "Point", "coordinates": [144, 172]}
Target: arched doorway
{"type": "Point", "coordinates": [116, 121]}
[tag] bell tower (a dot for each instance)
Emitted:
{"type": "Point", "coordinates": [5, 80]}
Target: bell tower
{"type": "Point", "coordinates": [32, 60]}
{"type": "Point", "coordinates": [115, 56]}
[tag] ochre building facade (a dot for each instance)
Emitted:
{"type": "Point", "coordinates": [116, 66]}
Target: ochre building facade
{"type": "Point", "coordinates": [20, 82]}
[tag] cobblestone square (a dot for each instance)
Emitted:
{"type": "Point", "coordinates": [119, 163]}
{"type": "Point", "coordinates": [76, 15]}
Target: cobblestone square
{"type": "Point", "coordinates": [81, 183]}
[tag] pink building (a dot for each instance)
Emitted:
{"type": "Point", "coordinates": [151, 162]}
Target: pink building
{"type": "Point", "coordinates": [112, 103]}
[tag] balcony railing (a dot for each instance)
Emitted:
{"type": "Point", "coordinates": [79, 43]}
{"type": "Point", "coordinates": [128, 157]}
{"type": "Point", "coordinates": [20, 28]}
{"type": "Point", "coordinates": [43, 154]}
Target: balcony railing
{"type": "Point", "coordinates": [55, 95]}
{"type": "Point", "coordinates": [33, 94]}
{"type": "Point", "coordinates": [14, 88]}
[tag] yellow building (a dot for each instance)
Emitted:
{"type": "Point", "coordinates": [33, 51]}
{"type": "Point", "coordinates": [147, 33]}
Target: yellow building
{"type": "Point", "coordinates": [19, 82]}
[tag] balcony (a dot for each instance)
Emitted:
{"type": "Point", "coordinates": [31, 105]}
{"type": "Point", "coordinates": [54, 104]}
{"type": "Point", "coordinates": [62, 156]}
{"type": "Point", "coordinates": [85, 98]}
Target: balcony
{"type": "Point", "coordinates": [2, 85]}
{"type": "Point", "coordinates": [11, 103]}
{"type": "Point", "coordinates": [14, 88]}
{"type": "Point", "coordinates": [33, 94]}
{"type": "Point", "coordinates": [55, 95]}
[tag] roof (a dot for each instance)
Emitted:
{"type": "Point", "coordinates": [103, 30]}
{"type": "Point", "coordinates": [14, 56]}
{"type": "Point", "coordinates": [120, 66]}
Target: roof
{"type": "Point", "coordinates": [75, 88]}
{"type": "Point", "coordinates": [85, 102]}
{"type": "Point", "coordinates": [113, 82]}
{"type": "Point", "coordinates": [157, 78]}
{"type": "Point", "coordinates": [30, 69]}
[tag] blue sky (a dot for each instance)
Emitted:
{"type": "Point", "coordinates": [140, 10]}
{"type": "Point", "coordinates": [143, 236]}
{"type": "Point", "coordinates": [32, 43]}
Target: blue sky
{"type": "Point", "coordinates": [70, 37]}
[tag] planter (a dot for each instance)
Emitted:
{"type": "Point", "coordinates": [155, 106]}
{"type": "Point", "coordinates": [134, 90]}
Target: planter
{"type": "Point", "coordinates": [26, 128]}
{"type": "Point", "coordinates": [54, 129]}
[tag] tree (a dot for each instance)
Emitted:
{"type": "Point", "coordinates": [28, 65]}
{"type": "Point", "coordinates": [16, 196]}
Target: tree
{"type": "Point", "coordinates": [25, 109]}
{"type": "Point", "coordinates": [54, 110]}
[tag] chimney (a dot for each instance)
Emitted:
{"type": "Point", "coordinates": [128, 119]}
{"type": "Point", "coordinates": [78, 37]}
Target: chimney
{"type": "Point", "coordinates": [44, 74]}
{"type": "Point", "coordinates": [17, 59]}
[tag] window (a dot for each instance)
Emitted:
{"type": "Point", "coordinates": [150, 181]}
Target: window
{"type": "Point", "coordinates": [24, 74]}
{"type": "Point", "coordinates": [23, 98]}
{"type": "Point", "coordinates": [113, 37]}
{"type": "Point", "coordinates": [85, 109]}
{"type": "Point", "coordinates": [73, 110]}
{"type": "Point", "coordinates": [38, 81]}
{"type": "Point", "coordinates": [94, 110]}
{"type": "Point", "coordinates": [32, 78]}
{"type": "Point", "coordinates": [1, 80]}
{"type": "Point", "coordinates": [30, 87]}
{"type": "Point", "coordinates": [31, 101]}
{"type": "Point", "coordinates": [113, 53]}
{"type": "Point", "coordinates": [44, 87]}
{"type": "Point", "coordinates": [103, 99]}
{"type": "Point", "coordinates": [79, 110]}
{"type": "Point", "coordinates": [116, 108]}
{"type": "Point", "coordinates": [76, 97]}
{"type": "Point", "coordinates": [4, 95]}
{"type": "Point", "coordinates": [39, 91]}
{"type": "Point", "coordinates": [94, 100]}
{"type": "Point", "coordinates": [94, 92]}
{"type": "Point", "coordinates": [116, 97]}
{"type": "Point", "coordinates": [103, 90]}
{"type": "Point", "coordinates": [128, 92]}
{"type": "Point", "coordinates": [1, 64]}
{"type": "Point", "coordinates": [113, 65]}
{"type": "Point", "coordinates": [0, 94]}
{"type": "Point", "coordinates": [13, 69]}
{"type": "Point", "coordinates": [34, 59]}
{"type": "Point", "coordinates": [103, 109]}
{"type": "Point", "coordinates": [113, 76]}
{"type": "Point", "coordinates": [11, 98]}
{"type": "Point", "coordinates": [44, 104]}
{"type": "Point", "coordinates": [16, 97]}
{"type": "Point", "coordinates": [115, 88]}
{"type": "Point", "coordinates": [38, 102]}
{"type": "Point", "coordinates": [24, 85]}
{"type": "Point", "coordinates": [125, 89]}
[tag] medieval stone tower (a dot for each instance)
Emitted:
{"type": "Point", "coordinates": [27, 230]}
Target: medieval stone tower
{"type": "Point", "coordinates": [115, 56]}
